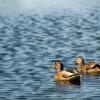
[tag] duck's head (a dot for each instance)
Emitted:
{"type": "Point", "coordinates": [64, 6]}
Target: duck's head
{"type": "Point", "coordinates": [79, 60]}
{"type": "Point", "coordinates": [58, 65]}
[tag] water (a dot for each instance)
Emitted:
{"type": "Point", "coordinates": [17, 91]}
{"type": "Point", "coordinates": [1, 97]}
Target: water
{"type": "Point", "coordinates": [29, 44]}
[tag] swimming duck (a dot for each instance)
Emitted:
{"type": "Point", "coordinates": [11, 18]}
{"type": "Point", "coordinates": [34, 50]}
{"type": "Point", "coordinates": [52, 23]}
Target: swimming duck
{"type": "Point", "coordinates": [89, 68]}
{"type": "Point", "coordinates": [65, 76]}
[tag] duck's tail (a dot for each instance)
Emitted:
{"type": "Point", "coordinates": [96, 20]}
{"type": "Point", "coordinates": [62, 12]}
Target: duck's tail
{"type": "Point", "coordinates": [75, 79]}
{"type": "Point", "coordinates": [97, 65]}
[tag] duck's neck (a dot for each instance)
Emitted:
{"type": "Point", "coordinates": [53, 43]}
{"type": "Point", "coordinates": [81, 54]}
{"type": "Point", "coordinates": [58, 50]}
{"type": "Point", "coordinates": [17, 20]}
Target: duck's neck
{"type": "Point", "coordinates": [60, 69]}
{"type": "Point", "coordinates": [82, 63]}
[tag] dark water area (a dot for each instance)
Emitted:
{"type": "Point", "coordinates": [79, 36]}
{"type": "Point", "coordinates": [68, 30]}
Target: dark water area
{"type": "Point", "coordinates": [29, 44]}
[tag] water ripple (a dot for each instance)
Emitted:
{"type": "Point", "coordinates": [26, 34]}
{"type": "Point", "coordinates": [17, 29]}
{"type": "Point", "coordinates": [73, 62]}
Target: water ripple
{"type": "Point", "coordinates": [29, 44]}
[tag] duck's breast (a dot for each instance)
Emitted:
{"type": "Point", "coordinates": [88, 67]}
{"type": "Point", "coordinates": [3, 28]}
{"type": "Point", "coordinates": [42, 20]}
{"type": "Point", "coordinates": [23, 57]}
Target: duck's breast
{"type": "Point", "coordinates": [58, 76]}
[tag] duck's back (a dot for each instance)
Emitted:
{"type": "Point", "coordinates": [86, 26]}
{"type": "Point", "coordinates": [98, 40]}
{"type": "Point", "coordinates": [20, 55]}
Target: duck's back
{"type": "Point", "coordinates": [62, 75]}
{"type": "Point", "coordinates": [91, 64]}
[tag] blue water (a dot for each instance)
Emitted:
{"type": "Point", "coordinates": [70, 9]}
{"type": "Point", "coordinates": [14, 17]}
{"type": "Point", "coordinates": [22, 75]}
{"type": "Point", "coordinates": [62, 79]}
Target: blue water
{"type": "Point", "coordinates": [29, 44]}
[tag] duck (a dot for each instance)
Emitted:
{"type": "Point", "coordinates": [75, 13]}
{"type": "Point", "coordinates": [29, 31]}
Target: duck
{"type": "Point", "coordinates": [91, 67]}
{"type": "Point", "coordinates": [64, 75]}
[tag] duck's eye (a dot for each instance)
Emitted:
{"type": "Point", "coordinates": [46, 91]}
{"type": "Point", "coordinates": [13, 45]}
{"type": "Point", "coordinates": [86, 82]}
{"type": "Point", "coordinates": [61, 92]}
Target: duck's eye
{"type": "Point", "coordinates": [56, 62]}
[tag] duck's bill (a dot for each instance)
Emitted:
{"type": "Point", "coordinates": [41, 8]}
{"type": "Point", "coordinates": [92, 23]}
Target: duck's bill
{"type": "Point", "coordinates": [53, 66]}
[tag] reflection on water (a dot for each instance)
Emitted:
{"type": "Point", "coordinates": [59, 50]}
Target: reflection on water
{"type": "Point", "coordinates": [30, 43]}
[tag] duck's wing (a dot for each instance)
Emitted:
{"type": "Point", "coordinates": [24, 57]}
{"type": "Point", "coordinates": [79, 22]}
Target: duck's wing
{"type": "Point", "coordinates": [71, 77]}
{"type": "Point", "coordinates": [91, 65]}
{"type": "Point", "coordinates": [67, 74]}
{"type": "Point", "coordinates": [69, 70]}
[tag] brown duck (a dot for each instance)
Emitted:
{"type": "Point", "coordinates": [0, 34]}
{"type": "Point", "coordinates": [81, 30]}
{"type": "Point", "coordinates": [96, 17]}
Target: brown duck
{"type": "Point", "coordinates": [65, 76]}
{"type": "Point", "coordinates": [87, 68]}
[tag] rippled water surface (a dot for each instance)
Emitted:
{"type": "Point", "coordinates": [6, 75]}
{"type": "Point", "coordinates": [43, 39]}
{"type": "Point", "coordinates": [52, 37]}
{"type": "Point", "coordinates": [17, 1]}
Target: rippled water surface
{"type": "Point", "coordinates": [29, 44]}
